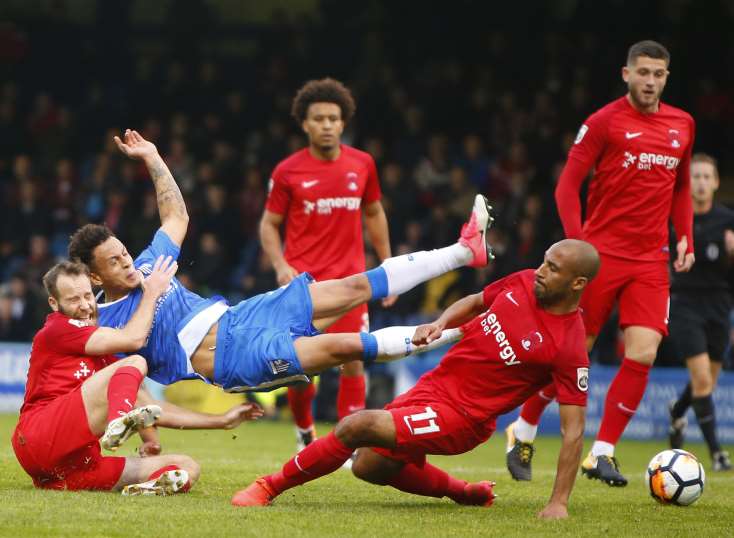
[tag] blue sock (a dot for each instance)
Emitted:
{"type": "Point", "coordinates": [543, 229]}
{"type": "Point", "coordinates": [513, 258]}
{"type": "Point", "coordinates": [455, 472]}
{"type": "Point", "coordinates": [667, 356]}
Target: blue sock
{"type": "Point", "coordinates": [378, 282]}
{"type": "Point", "coordinates": [369, 347]}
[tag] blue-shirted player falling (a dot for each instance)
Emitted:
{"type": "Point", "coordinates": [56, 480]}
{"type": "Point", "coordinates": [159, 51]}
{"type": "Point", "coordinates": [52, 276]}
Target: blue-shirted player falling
{"type": "Point", "coordinates": [269, 340]}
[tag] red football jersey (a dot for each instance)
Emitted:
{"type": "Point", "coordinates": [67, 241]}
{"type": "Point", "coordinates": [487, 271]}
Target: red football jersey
{"type": "Point", "coordinates": [58, 364]}
{"type": "Point", "coordinates": [641, 164]}
{"type": "Point", "coordinates": [321, 202]}
{"type": "Point", "coordinates": [509, 352]}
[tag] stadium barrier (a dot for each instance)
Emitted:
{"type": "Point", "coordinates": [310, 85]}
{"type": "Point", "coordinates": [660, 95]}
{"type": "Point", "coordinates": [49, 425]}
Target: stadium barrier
{"type": "Point", "coordinates": [650, 421]}
{"type": "Point", "coordinates": [13, 369]}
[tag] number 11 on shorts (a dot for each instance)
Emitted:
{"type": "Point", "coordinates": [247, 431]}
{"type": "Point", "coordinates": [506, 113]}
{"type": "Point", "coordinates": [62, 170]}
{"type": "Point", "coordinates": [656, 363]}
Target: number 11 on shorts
{"type": "Point", "coordinates": [427, 418]}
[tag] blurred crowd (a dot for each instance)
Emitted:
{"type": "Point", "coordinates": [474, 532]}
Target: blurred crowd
{"type": "Point", "coordinates": [446, 113]}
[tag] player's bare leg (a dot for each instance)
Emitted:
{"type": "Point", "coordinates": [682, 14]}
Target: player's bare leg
{"type": "Point", "coordinates": [318, 353]}
{"type": "Point", "coordinates": [332, 298]}
{"type": "Point", "coordinates": [623, 397]}
{"type": "Point", "coordinates": [109, 401]}
{"type": "Point", "coordinates": [158, 475]}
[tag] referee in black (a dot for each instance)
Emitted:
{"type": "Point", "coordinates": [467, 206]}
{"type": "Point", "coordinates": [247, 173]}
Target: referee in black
{"type": "Point", "coordinates": [699, 309]}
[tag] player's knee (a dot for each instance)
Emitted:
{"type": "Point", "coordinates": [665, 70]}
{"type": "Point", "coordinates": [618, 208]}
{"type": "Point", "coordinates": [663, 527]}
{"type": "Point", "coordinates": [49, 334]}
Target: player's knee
{"type": "Point", "coordinates": [702, 384]}
{"type": "Point", "coordinates": [188, 464]}
{"type": "Point", "coordinates": [353, 430]}
{"type": "Point", "coordinates": [137, 361]}
{"type": "Point", "coordinates": [363, 470]}
{"type": "Point", "coordinates": [357, 288]}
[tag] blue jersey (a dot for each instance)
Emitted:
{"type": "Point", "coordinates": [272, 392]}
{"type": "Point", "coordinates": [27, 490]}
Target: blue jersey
{"type": "Point", "coordinates": [181, 319]}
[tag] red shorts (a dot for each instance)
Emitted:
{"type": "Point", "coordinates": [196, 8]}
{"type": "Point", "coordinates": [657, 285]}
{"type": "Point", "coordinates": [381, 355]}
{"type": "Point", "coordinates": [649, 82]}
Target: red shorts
{"type": "Point", "coordinates": [354, 321]}
{"type": "Point", "coordinates": [427, 426]}
{"type": "Point", "coordinates": [642, 289]}
{"type": "Point", "coordinates": [55, 447]}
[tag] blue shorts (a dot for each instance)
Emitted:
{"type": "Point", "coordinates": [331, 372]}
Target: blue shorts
{"type": "Point", "coordinates": [255, 349]}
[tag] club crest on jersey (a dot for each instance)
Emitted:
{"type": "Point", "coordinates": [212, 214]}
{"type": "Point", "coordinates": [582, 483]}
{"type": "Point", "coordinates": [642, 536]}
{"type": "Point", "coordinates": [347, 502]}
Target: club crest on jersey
{"type": "Point", "coordinates": [673, 135]}
{"type": "Point", "coordinates": [534, 338]}
{"type": "Point", "coordinates": [352, 179]}
{"type": "Point", "coordinates": [582, 379]}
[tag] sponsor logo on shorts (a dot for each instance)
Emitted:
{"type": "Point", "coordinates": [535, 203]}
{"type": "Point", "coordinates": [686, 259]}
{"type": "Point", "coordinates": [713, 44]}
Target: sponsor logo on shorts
{"type": "Point", "coordinates": [279, 366]}
{"type": "Point", "coordinates": [582, 379]}
{"type": "Point", "coordinates": [490, 325]}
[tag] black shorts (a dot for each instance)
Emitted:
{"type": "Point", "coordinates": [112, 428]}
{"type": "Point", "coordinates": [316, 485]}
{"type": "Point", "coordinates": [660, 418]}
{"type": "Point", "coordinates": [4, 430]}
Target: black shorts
{"type": "Point", "coordinates": [699, 324]}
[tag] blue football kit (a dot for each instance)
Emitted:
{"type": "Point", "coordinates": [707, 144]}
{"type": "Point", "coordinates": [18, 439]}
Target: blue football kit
{"type": "Point", "coordinates": [254, 349]}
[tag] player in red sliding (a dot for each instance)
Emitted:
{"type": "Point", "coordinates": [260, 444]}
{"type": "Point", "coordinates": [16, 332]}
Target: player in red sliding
{"type": "Point", "coordinates": [519, 333]}
{"type": "Point", "coordinates": [640, 150]}
{"type": "Point", "coordinates": [320, 193]}
{"type": "Point", "coordinates": [77, 392]}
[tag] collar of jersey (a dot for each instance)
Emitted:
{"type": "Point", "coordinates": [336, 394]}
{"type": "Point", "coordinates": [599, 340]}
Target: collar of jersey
{"type": "Point", "coordinates": [103, 305]}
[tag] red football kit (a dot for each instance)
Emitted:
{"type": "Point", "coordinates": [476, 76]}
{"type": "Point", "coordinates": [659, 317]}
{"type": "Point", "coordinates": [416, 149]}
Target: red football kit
{"type": "Point", "coordinates": [506, 354]}
{"type": "Point", "coordinates": [641, 181]}
{"type": "Point", "coordinates": [52, 440]}
{"type": "Point", "coordinates": [321, 202]}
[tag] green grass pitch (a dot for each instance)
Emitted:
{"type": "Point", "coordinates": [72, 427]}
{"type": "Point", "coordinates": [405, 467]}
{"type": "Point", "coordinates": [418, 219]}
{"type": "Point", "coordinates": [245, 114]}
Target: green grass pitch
{"type": "Point", "coordinates": [340, 505]}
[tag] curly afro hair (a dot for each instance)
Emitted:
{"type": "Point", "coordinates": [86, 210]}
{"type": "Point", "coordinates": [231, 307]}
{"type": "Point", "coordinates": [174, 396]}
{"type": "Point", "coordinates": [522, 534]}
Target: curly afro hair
{"type": "Point", "coordinates": [325, 90]}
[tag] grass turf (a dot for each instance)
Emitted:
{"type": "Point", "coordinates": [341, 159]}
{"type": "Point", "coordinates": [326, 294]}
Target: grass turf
{"type": "Point", "coordinates": [340, 505]}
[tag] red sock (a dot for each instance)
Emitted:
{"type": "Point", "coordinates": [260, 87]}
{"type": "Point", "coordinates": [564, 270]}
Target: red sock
{"type": "Point", "coordinates": [122, 391]}
{"type": "Point", "coordinates": [155, 474]}
{"type": "Point", "coordinates": [300, 400]}
{"type": "Point", "coordinates": [428, 481]}
{"type": "Point", "coordinates": [325, 455]}
{"type": "Point", "coordinates": [623, 397]}
{"type": "Point", "coordinates": [351, 396]}
{"type": "Point", "coordinates": [536, 404]}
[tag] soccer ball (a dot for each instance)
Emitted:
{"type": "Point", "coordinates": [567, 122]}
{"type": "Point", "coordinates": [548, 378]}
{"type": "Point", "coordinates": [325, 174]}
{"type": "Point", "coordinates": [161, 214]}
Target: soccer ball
{"type": "Point", "coordinates": [675, 477]}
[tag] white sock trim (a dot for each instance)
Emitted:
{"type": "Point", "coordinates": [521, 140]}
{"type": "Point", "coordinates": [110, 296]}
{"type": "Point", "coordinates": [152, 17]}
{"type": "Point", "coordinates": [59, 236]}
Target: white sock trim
{"type": "Point", "coordinates": [524, 431]}
{"type": "Point", "coordinates": [602, 448]}
{"type": "Point", "coordinates": [394, 343]}
{"type": "Point", "coordinates": [407, 271]}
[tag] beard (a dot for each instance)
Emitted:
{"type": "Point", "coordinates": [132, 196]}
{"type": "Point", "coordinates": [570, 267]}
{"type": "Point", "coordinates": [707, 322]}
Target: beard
{"type": "Point", "coordinates": [546, 297]}
{"type": "Point", "coordinates": [92, 318]}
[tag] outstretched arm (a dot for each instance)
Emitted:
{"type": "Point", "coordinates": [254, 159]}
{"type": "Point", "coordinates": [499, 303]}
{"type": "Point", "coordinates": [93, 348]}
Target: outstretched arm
{"type": "Point", "coordinates": [455, 315]}
{"type": "Point", "coordinates": [177, 417]}
{"type": "Point", "coordinates": [171, 206]}
{"type": "Point", "coordinates": [572, 430]}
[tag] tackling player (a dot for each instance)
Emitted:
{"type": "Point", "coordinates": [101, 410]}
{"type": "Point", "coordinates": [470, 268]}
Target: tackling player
{"type": "Point", "coordinates": [77, 392]}
{"type": "Point", "coordinates": [640, 150]}
{"type": "Point", "coordinates": [699, 310]}
{"type": "Point", "coordinates": [519, 333]}
{"type": "Point", "coordinates": [269, 340]}
{"type": "Point", "coordinates": [320, 193]}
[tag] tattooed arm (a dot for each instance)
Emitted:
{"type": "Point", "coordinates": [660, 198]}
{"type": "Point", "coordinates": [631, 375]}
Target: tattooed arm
{"type": "Point", "coordinates": [171, 206]}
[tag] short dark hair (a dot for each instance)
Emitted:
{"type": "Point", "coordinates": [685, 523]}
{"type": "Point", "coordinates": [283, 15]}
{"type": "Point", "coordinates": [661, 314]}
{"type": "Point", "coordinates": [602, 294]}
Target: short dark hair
{"type": "Point", "coordinates": [325, 90]}
{"type": "Point", "coordinates": [85, 240]}
{"type": "Point", "coordinates": [67, 267]}
{"type": "Point", "coordinates": [706, 158]}
{"type": "Point", "coordinates": [649, 48]}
